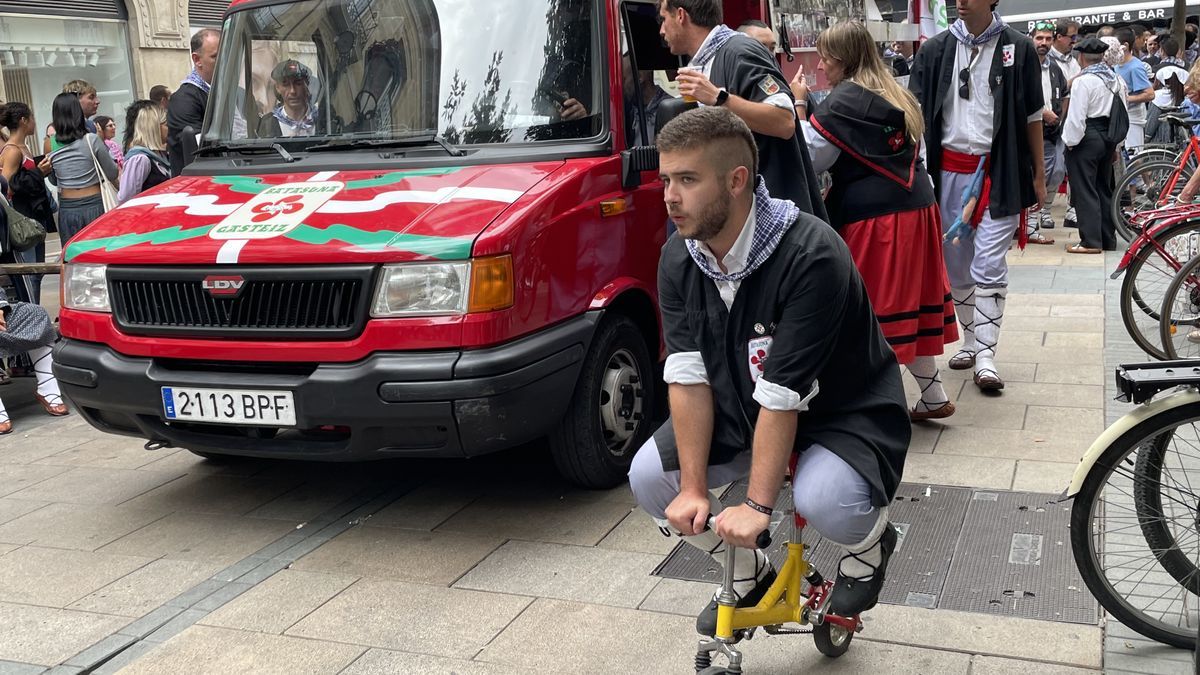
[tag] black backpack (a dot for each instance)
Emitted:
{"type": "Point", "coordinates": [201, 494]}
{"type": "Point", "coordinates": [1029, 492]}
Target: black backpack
{"type": "Point", "coordinates": [1118, 118]}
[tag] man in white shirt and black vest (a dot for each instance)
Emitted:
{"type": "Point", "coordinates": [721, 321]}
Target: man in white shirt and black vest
{"type": "Point", "coordinates": [774, 357]}
{"type": "Point", "coordinates": [733, 70]}
{"type": "Point", "coordinates": [979, 85]}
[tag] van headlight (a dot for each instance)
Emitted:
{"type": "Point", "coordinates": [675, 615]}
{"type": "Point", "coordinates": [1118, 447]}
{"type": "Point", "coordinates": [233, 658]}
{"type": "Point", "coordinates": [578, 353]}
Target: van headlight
{"type": "Point", "coordinates": [449, 288]}
{"type": "Point", "coordinates": [85, 288]}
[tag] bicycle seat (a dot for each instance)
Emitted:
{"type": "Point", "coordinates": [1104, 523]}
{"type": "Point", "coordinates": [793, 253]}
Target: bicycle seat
{"type": "Point", "coordinates": [1140, 382]}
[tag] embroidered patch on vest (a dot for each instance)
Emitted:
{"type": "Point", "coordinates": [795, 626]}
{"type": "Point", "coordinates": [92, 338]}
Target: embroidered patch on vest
{"type": "Point", "coordinates": [769, 86]}
{"type": "Point", "coordinates": [757, 351]}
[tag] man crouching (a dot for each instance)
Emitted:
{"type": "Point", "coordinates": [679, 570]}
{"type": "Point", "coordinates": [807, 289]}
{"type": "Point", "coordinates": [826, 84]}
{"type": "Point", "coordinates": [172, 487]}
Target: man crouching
{"type": "Point", "coordinates": [773, 351]}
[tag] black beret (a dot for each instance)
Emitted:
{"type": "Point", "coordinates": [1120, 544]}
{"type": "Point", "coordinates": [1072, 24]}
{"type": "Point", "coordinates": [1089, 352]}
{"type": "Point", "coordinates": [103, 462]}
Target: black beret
{"type": "Point", "coordinates": [1092, 45]}
{"type": "Point", "coordinates": [290, 70]}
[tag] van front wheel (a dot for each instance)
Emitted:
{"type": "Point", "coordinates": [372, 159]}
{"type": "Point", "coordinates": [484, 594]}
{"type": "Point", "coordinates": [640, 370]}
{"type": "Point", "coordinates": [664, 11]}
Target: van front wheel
{"type": "Point", "coordinates": [611, 413]}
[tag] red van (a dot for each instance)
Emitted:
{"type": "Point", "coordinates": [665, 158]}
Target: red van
{"type": "Point", "coordinates": [413, 228]}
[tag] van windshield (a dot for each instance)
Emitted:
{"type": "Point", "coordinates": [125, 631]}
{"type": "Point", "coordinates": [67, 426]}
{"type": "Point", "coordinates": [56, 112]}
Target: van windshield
{"type": "Point", "coordinates": [465, 72]}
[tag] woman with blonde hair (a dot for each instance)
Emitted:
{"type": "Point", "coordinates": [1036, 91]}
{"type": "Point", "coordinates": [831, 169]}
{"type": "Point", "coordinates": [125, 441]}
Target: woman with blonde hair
{"type": "Point", "coordinates": [867, 134]}
{"type": "Point", "coordinates": [146, 163]}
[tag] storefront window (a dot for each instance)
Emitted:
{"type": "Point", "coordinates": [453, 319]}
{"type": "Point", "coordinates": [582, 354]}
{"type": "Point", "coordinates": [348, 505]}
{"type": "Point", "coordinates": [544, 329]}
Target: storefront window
{"type": "Point", "coordinates": [38, 55]}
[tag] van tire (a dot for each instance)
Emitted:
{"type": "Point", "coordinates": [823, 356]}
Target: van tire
{"type": "Point", "coordinates": [592, 445]}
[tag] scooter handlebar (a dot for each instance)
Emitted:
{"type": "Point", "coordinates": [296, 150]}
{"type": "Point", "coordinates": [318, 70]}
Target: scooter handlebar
{"type": "Point", "coordinates": [762, 541]}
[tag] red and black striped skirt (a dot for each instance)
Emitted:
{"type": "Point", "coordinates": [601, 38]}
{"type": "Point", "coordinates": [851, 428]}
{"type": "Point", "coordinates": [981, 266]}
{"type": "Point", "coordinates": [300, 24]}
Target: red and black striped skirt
{"type": "Point", "coordinates": [899, 256]}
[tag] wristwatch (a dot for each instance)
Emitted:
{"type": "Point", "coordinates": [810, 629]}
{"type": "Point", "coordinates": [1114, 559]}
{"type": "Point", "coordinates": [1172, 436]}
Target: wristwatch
{"type": "Point", "coordinates": [722, 96]}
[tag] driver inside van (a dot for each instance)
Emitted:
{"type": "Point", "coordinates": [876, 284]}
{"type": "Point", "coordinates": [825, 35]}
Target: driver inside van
{"type": "Point", "coordinates": [295, 111]}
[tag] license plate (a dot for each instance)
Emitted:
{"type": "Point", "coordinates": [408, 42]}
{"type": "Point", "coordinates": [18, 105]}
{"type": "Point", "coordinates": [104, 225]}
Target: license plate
{"type": "Point", "coordinates": [230, 406]}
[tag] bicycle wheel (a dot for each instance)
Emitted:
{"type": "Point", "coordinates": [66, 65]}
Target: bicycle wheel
{"type": "Point", "coordinates": [1147, 278]}
{"type": "Point", "coordinates": [1144, 189]}
{"type": "Point", "coordinates": [1179, 318]}
{"type": "Point", "coordinates": [1122, 567]}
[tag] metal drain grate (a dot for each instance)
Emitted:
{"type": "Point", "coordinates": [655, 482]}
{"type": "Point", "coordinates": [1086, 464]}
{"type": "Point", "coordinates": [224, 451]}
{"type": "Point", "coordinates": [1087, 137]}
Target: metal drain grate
{"type": "Point", "coordinates": [1015, 560]}
{"type": "Point", "coordinates": [961, 549]}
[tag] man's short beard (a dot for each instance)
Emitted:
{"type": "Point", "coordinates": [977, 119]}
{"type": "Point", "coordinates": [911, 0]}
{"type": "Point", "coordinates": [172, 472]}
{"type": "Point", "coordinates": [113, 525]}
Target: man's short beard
{"type": "Point", "coordinates": [711, 220]}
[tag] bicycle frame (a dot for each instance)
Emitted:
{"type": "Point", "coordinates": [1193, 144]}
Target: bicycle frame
{"type": "Point", "coordinates": [783, 602]}
{"type": "Point", "coordinates": [1162, 219]}
{"type": "Point", "coordinates": [1191, 152]}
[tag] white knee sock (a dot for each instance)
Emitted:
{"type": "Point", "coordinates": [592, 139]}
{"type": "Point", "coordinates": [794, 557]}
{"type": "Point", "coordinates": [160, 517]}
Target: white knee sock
{"type": "Point", "coordinates": [748, 566]}
{"type": "Point", "coordinates": [862, 559]}
{"type": "Point", "coordinates": [925, 371]}
{"type": "Point", "coordinates": [47, 386]}
{"type": "Point", "coordinates": [989, 314]}
{"type": "Point", "coordinates": [964, 309]}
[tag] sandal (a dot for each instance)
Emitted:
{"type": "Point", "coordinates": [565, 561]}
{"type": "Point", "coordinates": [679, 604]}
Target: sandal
{"type": "Point", "coordinates": [53, 409]}
{"type": "Point", "coordinates": [1039, 238]}
{"type": "Point", "coordinates": [941, 412]}
{"type": "Point", "coordinates": [963, 360]}
{"type": "Point", "coordinates": [6, 427]}
{"type": "Point", "coordinates": [1080, 248]}
{"type": "Point", "coordinates": [988, 380]}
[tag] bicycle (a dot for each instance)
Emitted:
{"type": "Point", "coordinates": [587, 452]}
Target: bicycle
{"type": "Point", "coordinates": [1135, 522]}
{"type": "Point", "coordinates": [1151, 183]}
{"type": "Point", "coordinates": [1167, 239]}
{"type": "Point", "coordinates": [783, 603]}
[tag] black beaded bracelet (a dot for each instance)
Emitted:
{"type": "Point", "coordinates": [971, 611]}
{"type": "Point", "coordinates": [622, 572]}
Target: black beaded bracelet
{"type": "Point", "coordinates": [765, 510]}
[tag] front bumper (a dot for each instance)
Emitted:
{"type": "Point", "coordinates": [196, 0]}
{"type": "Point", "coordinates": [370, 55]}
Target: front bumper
{"type": "Point", "coordinates": [390, 404]}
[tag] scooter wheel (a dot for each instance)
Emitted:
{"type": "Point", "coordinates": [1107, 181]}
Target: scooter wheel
{"type": "Point", "coordinates": [831, 640]}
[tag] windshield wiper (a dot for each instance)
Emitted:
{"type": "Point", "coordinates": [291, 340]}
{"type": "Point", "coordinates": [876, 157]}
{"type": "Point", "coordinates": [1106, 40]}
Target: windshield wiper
{"type": "Point", "coordinates": [245, 149]}
{"type": "Point", "coordinates": [374, 143]}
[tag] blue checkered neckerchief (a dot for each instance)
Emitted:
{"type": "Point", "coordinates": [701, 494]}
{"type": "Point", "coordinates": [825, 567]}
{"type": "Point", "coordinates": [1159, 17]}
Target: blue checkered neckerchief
{"type": "Point", "coordinates": [712, 45]}
{"type": "Point", "coordinates": [1101, 70]}
{"type": "Point", "coordinates": [959, 30]}
{"type": "Point", "coordinates": [194, 79]}
{"type": "Point", "coordinates": [772, 219]}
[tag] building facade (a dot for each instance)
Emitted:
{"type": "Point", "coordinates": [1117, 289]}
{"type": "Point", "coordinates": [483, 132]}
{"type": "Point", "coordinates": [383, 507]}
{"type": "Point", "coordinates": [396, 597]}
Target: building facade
{"type": "Point", "coordinates": [122, 47]}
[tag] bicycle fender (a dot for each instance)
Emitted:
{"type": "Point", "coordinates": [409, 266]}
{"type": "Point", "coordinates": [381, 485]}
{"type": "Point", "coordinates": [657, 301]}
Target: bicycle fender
{"type": "Point", "coordinates": [1120, 427]}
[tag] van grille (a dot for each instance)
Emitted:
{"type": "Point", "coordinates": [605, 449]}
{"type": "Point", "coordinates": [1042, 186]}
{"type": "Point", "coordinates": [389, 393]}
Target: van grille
{"type": "Point", "coordinates": [262, 303]}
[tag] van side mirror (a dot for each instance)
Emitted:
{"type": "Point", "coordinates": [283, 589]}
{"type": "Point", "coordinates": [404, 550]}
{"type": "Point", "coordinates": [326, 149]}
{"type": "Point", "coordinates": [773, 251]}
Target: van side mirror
{"type": "Point", "coordinates": [671, 108]}
{"type": "Point", "coordinates": [188, 144]}
{"type": "Point", "coordinates": [636, 160]}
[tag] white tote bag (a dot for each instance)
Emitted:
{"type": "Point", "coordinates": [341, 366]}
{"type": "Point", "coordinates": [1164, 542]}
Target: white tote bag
{"type": "Point", "coordinates": [108, 193]}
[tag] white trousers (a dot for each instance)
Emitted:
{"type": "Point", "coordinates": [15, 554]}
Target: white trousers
{"type": "Point", "coordinates": [978, 260]}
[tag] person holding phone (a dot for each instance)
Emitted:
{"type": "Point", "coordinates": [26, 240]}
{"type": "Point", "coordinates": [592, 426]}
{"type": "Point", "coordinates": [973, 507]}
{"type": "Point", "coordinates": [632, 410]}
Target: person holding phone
{"type": "Point", "coordinates": [25, 175]}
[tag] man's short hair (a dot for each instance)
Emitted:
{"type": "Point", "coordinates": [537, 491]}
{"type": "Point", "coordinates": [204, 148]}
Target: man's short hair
{"type": "Point", "coordinates": [1063, 26]}
{"type": "Point", "coordinates": [201, 35]}
{"type": "Point", "coordinates": [1169, 45]}
{"type": "Point", "coordinates": [159, 93]}
{"type": "Point", "coordinates": [707, 126]}
{"type": "Point", "coordinates": [753, 23]}
{"type": "Point", "coordinates": [79, 88]}
{"type": "Point", "coordinates": [704, 13]}
{"type": "Point", "coordinates": [1125, 37]}
{"type": "Point", "coordinates": [1137, 29]}
{"type": "Point", "coordinates": [1105, 31]}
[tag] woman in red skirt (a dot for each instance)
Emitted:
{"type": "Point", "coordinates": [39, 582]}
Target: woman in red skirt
{"type": "Point", "coordinates": [867, 133]}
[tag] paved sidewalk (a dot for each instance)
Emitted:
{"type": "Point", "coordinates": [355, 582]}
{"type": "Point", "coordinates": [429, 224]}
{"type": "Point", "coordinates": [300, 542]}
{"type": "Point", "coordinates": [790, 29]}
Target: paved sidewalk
{"type": "Point", "coordinates": [173, 564]}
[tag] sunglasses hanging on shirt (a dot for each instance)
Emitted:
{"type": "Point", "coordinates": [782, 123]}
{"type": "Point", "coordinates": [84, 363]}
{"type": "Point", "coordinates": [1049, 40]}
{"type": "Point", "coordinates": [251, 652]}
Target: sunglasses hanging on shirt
{"type": "Point", "coordinates": [964, 76]}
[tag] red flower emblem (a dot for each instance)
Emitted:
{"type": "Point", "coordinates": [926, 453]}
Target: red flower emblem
{"type": "Point", "coordinates": [897, 141]}
{"type": "Point", "coordinates": [759, 359]}
{"type": "Point", "coordinates": [265, 212]}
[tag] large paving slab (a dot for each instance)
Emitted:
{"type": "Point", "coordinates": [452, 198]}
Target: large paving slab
{"type": "Point", "coordinates": [90, 485]}
{"type": "Point", "coordinates": [203, 649]}
{"type": "Point", "coordinates": [48, 636]}
{"type": "Point", "coordinates": [56, 578]}
{"type": "Point", "coordinates": [76, 526]}
{"type": "Point", "coordinates": [404, 555]}
{"type": "Point", "coordinates": [1047, 445]}
{"type": "Point", "coordinates": [279, 602]}
{"type": "Point", "coordinates": [563, 515]}
{"type": "Point", "coordinates": [15, 478]}
{"type": "Point", "coordinates": [412, 617]}
{"type": "Point", "coordinates": [960, 470]}
{"type": "Point", "coordinates": [213, 493]}
{"type": "Point", "coordinates": [202, 537]}
{"type": "Point", "coordinates": [565, 572]}
{"type": "Point", "coordinates": [110, 452]}
{"type": "Point", "coordinates": [145, 589]}
{"type": "Point", "coordinates": [387, 662]}
{"type": "Point", "coordinates": [990, 665]}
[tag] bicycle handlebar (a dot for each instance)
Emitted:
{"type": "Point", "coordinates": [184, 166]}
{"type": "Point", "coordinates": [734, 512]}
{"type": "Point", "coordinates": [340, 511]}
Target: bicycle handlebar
{"type": "Point", "coordinates": [762, 541]}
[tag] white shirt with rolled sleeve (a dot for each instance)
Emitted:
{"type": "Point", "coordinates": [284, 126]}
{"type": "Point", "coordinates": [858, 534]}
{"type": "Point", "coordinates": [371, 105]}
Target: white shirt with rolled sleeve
{"type": "Point", "coordinates": [1091, 97]}
{"type": "Point", "coordinates": [968, 122]}
{"type": "Point", "coordinates": [688, 368]}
